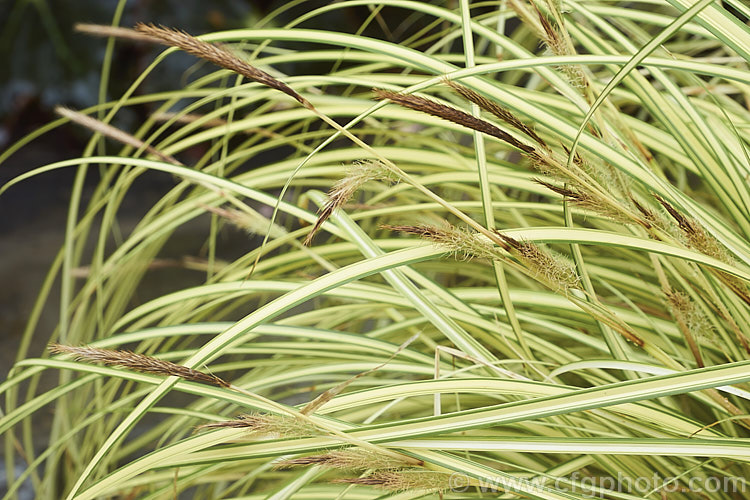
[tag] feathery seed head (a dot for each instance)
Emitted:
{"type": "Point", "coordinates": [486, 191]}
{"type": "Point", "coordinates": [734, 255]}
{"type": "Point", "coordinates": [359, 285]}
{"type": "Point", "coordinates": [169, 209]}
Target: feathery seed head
{"type": "Point", "coordinates": [343, 190]}
{"type": "Point", "coordinates": [266, 424]}
{"type": "Point", "coordinates": [350, 458]}
{"type": "Point", "coordinates": [585, 199]}
{"type": "Point", "coordinates": [695, 234]}
{"type": "Point", "coordinates": [112, 132]}
{"type": "Point", "coordinates": [691, 315]}
{"type": "Point", "coordinates": [404, 480]}
{"type": "Point", "coordinates": [114, 31]}
{"type": "Point", "coordinates": [650, 218]}
{"type": "Point", "coordinates": [548, 266]}
{"type": "Point", "coordinates": [461, 243]}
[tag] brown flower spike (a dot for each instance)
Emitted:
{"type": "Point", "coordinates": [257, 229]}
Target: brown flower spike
{"type": "Point", "coordinates": [137, 362]}
{"type": "Point", "coordinates": [451, 114]}
{"type": "Point", "coordinates": [497, 110]}
{"type": "Point", "coordinates": [217, 54]}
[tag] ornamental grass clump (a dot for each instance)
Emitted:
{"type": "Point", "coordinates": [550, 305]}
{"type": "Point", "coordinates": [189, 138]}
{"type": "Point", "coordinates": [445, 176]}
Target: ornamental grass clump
{"type": "Point", "coordinates": [529, 268]}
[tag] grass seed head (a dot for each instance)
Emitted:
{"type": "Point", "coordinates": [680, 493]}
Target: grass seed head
{"type": "Point", "coordinates": [650, 218]}
{"type": "Point", "coordinates": [249, 220]}
{"type": "Point", "coordinates": [350, 458]}
{"type": "Point", "coordinates": [549, 267]}
{"type": "Point", "coordinates": [404, 480]}
{"type": "Point", "coordinates": [695, 234]}
{"type": "Point", "coordinates": [217, 54]}
{"type": "Point", "coordinates": [266, 424]}
{"type": "Point", "coordinates": [112, 132]}
{"type": "Point", "coordinates": [585, 199]}
{"type": "Point", "coordinates": [114, 31]}
{"type": "Point", "coordinates": [691, 315]}
{"type": "Point", "coordinates": [450, 114]}
{"type": "Point", "coordinates": [461, 243]}
{"type": "Point", "coordinates": [558, 43]}
{"type": "Point", "coordinates": [343, 190]}
{"type": "Point", "coordinates": [492, 107]}
{"type": "Point", "coordinates": [136, 362]}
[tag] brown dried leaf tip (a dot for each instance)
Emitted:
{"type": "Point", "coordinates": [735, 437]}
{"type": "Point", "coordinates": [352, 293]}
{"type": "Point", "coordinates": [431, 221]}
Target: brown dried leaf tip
{"type": "Point", "coordinates": [343, 190]}
{"type": "Point", "coordinates": [451, 114]}
{"type": "Point", "coordinates": [217, 54]}
{"type": "Point", "coordinates": [404, 480]}
{"type": "Point", "coordinates": [459, 242]}
{"type": "Point", "coordinates": [351, 458]}
{"type": "Point", "coordinates": [136, 362]}
{"type": "Point", "coordinates": [267, 424]}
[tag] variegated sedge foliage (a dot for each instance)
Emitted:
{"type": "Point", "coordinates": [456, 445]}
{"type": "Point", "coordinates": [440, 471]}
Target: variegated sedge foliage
{"type": "Point", "coordinates": [585, 183]}
{"type": "Point", "coordinates": [615, 257]}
